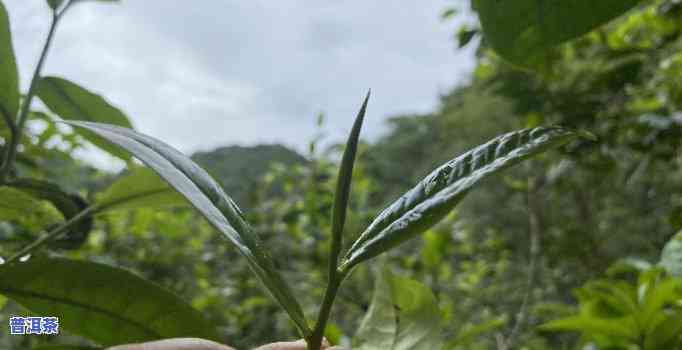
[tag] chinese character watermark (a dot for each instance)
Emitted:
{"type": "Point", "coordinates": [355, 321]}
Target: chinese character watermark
{"type": "Point", "coordinates": [33, 325]}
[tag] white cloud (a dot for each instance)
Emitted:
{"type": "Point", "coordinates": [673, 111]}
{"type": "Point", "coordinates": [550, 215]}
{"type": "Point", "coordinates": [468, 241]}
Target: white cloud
{"type": "Point", "coordinates": [223, 72]}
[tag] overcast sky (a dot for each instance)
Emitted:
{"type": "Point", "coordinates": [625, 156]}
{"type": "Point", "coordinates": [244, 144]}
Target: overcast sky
{"type": "Point", "coordinates": [201, 74]}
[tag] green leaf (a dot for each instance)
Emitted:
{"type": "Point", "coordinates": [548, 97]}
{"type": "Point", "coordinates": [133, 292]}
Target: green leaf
{"type": "Point", "coordinates": [616, 298]}
{"type": "Point", "coordinates": [403, 315]}
{"type": "Point", "coordinates": [671, 256]}
{"type": "Point", "coordinates": [628, 265]}
{"type": "Point", "coordinates": [9, 83]}
{"type": "Point", "coordinates": [26, 210]}
{"type": "Point", "coordinates": [666, 334]}
{"type": "Point", "coordinates": [14, 203]}
{"type": "Point", "coordinates": [523, 31]}
{"type": "Point", "coordinates": [624, 327]}
{"type": "Point", "coordinates": [72, 102]}
{"type": "Point", "coordinates": [344, 182]}
{"type": "Point", "coordinates": [378, 328]}
{"type": "Point", "coordinates": [436, 195]}
{"type": "Point", "coordinates": [209, 199]}
{"type": "Point", "coordinates": [658, 297]}
{"type": "Point", "coordinates": [69, 205]}
{"type": "Point", "coordinates": [105, 304]}
{"type": "Point", "coordinates": [465, 34]}
{"type": "Point", "coordinates": [139, 188]}
{"type": "Point", "coordinates": [419, 325]}
{"type": "Point", "coordinates": [54, 4]}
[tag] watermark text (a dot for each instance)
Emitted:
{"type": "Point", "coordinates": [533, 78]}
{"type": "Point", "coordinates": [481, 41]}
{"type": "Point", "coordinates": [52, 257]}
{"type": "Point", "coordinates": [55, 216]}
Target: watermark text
{"type": "Point", "coordinates": [33, 325]}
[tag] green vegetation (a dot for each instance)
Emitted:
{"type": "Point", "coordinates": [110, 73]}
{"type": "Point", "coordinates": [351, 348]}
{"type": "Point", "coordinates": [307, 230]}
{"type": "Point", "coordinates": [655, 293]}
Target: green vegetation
{"type": "Point", "coordinates": [238, 169]}
{"type": "Point", "coordinates": [577, 247]}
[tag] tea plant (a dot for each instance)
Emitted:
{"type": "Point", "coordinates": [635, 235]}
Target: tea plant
{"type": "Point", "coordinates": [417, 210]}
{"type": "Point", "coordinates": [126, 308]}
{"type": "Point", "coordinates": [638, 307]}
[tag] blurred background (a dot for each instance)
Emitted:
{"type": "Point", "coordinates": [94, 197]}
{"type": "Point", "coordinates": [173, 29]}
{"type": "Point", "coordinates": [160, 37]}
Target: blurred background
{"type": "Point", "coordinates": [258, 72]}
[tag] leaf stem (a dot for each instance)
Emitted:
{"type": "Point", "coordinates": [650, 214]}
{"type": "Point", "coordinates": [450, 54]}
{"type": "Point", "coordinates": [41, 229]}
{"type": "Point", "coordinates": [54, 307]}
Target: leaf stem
{"type": "Point", "coordinates": [315, 339]}
{"type": "Point", "coordinates": [15, 136]}
{"type": "Point", "coordinates": [52, 234]}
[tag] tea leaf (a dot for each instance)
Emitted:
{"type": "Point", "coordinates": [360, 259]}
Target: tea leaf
{"type": "Point", "coordinates": [436, 195]}
{"type": "Point", "coordinates": [465, 35]}
{"type": "Point", "coordinates": [54, 4]}
{"type": "Point", "coordinates": [403, 315]}
{"type": "Point", "coordinates": [209, 199]}
{"type": "Point", "coordinates": [72, 102]}
{"type": "Point", "coordinates": [522, 31]}
{"type": "Point", "coordinates": [622, 327]}
{"type": "Point", "coordinates": [26, 210]}
{"type": "Point", "coordinates": [378, 328]}
{"type": "Point", "coordinates": [344, 182]}
{"type": "Point", "coordinates": [140, 187]}
{"type": "Point", "coordinates": [657, 297]}
{"type": "Point", "coordinates": [666, 334]}
{"type": "Point", "coordinates": [105, 304]}
{"type": "Point", "coordinates": [9, 83]}
{"type": "Point", "coordinates": [68, 204]}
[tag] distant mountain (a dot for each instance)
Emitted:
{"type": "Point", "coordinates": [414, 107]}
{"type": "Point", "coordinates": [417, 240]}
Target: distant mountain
{"type": "Point", "coordinates": [239, 168]}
